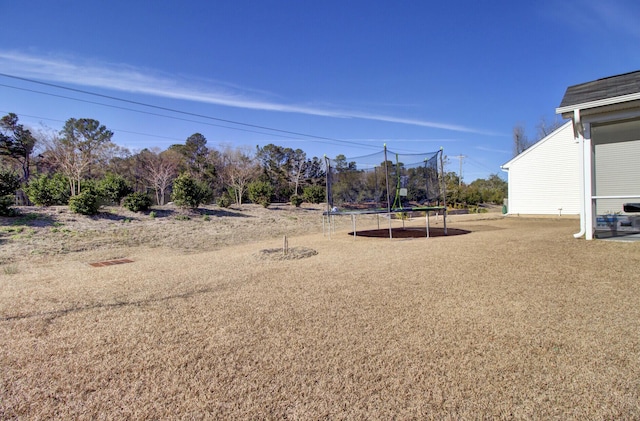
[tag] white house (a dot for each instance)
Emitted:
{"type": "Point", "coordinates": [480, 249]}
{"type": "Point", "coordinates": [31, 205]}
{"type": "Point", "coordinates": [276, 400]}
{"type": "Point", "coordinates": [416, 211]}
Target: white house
{"type": "Point", "coordinates": [591, 165]}
{"type": "Point", "coordinates": [545, 178]}
{"type": "Point", "coordinates": [605, 116]}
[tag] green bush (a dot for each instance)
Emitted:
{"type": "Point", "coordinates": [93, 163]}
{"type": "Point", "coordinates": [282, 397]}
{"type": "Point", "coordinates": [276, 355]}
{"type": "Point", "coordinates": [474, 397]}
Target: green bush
{"type": "Point", "coordinates": [9, 183]}
{"type": "Point", "coordinates": [260, 192]}
{"type": "Point", "coordinates": [5, 206]}
{"type": "Point", "coordinates": [48, 190]}
{"type": "Point", "coordinates": [113, 188]}
{"type": "Point", "coordinates": [296, 200]}
{"type": "Point", "coordinates": [189, 192]}
{"type": "Point", "coordinates": [314, 194]}
{"type": "Point", "coordinates": [224, 201]}
{"type": "Point", "coordinates": [85, 203]}
{"type": "Point", "coordinates": [137, 202]}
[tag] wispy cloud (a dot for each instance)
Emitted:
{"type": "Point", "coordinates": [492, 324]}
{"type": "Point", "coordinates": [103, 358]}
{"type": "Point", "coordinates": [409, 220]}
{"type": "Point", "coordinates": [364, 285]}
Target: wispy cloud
{"type": "Point", "coordinates": [602, 18]}
{"type": "Point", "coordinates": [617, 16]}
{"type": "Point", "coordinates": [485, 149]}
{"type": "Point", "coordinates": [126, 78]}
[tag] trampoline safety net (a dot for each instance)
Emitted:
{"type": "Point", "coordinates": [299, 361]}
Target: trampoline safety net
{"type": "Point", "coordinates": [385, 181]}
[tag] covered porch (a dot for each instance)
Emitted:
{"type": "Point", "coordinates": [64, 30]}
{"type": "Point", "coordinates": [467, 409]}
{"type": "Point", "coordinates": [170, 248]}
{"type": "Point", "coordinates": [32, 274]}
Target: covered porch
{"type": "Point", "coordinates": [606, 122]}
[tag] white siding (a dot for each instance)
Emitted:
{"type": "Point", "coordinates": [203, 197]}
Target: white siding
{"type": "Point", "coordinates": [616, 165]}
{"type": "Point", "coordinates": [546, 177]}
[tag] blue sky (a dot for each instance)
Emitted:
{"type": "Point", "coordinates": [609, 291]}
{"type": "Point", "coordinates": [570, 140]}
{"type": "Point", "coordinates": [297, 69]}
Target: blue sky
{"type": "Point", "coordinates": [353, 75]}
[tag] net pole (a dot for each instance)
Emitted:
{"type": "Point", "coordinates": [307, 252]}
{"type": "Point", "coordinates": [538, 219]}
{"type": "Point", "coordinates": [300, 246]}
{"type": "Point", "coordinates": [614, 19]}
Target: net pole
{"type": "Point", "coordinates": [426, 180]}
{"type": "Point", "coordinates": [427, 217]}
{"type": "Point", "coordinates": [386, 173]}
{"type": "Point", "coordinates": [377, 188]}
{"type": "Point", "coordinates": [396, 201]}
{"type": "Point", "coordinates": [444, 191]}
{"type": "Point", "coordinates": [327, 178]}
{"type": "Point", "coordinates": [378, 193]}
{"type": "Point", "coordinates": [353, 222]}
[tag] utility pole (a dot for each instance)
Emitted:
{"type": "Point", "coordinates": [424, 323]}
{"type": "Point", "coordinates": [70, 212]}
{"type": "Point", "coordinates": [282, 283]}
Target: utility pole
{"type": "Point", "coordinates": [460, 158]}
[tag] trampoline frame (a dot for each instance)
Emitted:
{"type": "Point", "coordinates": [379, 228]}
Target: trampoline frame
{"type": "Point", "coordinates": [328, 225]}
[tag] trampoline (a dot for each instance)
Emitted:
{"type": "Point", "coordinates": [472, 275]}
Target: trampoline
{"type": "Point", "coordinates": [389, 184]}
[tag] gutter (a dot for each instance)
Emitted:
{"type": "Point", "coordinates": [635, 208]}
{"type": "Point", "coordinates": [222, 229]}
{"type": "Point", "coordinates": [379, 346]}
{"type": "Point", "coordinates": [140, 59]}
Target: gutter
{"type": "Point", "coordinates": [598, 103]}
{"type": "Point", "coordinates": [508, 189]}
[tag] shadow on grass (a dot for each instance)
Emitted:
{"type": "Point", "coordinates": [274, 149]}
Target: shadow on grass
{"type": "Point", "coordinates": [409, 232]}
{"type": "Point", "coordinates": [221, 212]}
{"type": "Point", "coordinates": [170, 213]}
{"type": "Point", "coordinates": [63, 312]}
{"type": "Point", "coordinates": [112, 217]}
{"type": "Point", "coordinates": [30, 219]}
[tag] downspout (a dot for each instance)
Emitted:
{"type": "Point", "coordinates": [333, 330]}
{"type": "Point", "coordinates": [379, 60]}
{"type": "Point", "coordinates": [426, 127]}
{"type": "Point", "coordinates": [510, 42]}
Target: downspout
{"type": "Point", "coordinates": [508, 190]}
{"type": "Point", "coordinates": [578, 132]}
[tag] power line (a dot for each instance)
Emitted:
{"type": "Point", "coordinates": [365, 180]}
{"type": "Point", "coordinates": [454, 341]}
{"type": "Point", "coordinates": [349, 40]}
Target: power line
{"type": "Point", "coordinates": [180, 112]}
{"type": "Point", "coordinates": [114, 129]}
{"type": "Point", "coordinates": [139, 111]}
{"type": "Point", "coordinates": [481, 165]}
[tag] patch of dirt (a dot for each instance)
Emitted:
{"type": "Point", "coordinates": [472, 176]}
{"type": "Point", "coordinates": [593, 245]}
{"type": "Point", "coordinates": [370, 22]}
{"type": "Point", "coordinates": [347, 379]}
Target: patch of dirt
{"type": "Point", "coordinates": [292, 253]}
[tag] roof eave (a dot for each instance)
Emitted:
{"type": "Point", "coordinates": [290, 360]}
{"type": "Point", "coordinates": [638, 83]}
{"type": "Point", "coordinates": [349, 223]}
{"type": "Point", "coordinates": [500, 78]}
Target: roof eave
{"type": "Point", "coordinates": [599, 103]}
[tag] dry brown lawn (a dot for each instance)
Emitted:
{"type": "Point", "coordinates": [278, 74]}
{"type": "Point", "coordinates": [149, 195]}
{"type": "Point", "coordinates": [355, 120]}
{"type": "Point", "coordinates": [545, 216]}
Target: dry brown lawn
{"type": "Point", "coordinates": [516, 319]}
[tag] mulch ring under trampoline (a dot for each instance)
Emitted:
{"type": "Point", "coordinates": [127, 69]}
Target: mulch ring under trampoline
{"type": "Point", "coordinates": [408, 232]}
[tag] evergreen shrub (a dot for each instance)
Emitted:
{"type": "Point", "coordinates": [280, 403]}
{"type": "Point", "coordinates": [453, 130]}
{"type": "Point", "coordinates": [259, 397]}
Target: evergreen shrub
{"type": "Point", "coordinates": [113, 188]}
{"type": "Point", "coordinates": [261, 192]}
{"type": "Point", "coordinates": [314, 194]}
{"type": "Point", "coordinates": [296, 200]}
{"type": "Point", "coordinates": [9, 183]}
{"type": "Point", "coordinates": [87, 202]}
{"type": "Point", "coordinates": [137, 202]}
{"type": "Point", "coordinates": [48, 190]}
{"type": "Point", "coordinates": [189, 192]}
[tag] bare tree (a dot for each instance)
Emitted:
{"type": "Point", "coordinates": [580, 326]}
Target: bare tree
{"type": "Point", "coordinates": [67, 160]}
{"type": "Point", "coordinates": [298, 165]}
{"type": "Point", "coordinates": [520, 140]}
{"type": "Point", "coordinates": [239, 169]}
{"type": "Point", "coordinates": [159, 169]}
{"type": "Point", "coordinates": [545, 128]}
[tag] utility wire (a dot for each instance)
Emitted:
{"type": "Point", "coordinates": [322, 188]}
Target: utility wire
{"type": "Point", "coordinates": [181, 112]}
{"type": "Point", "coordinates": [140, 111]}
{"type": "Point", "coordinates": [481, 165]}
{"type": "Point", "coordinates": [113, 129]}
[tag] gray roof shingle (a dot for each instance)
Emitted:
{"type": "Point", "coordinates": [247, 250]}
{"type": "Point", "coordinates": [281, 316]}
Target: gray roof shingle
{"type": "Point", "coordinates": [608, 87]}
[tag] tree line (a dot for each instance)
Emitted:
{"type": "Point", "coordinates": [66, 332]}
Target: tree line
{"type": "Point", "coordinates": [81, 162]}
{"type": "Point", "coordinates": [81, 167]}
